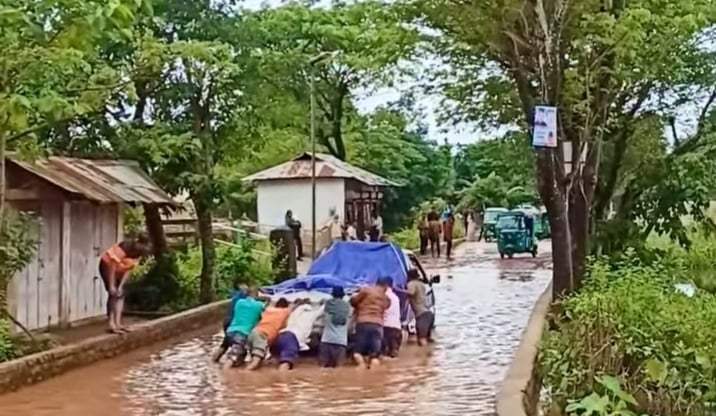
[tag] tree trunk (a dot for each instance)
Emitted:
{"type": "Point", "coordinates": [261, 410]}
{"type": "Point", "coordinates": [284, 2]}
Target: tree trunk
{"type": "Point", "coordinates": [3, 144]}
{"type": "Point", "coordinates": [155, 229]}
{"type": "Point", "coordinates": [208, 251]}
{"type": "Point", "coordinates": [553, 198]}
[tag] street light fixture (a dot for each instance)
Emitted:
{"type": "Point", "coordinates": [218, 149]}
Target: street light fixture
{"type": "Point", "coordinates": [321, 58]}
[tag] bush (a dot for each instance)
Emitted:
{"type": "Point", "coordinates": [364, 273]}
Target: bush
{"type": "Point", "coordinates": [236, 263]}
{"type": "Point", "coordinates": [629, 326]}
{"type": "Point", "coordinates": [7, 346]}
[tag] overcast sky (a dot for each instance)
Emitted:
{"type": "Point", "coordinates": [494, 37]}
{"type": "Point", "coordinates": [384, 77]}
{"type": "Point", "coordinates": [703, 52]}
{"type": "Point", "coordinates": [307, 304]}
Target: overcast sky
{"type": "Point", "coordinates": [686, 115]}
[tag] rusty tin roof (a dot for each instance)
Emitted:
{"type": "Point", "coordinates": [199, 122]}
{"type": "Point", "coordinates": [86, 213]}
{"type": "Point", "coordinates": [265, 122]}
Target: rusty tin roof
{"type": "Point", "coordinates": [327, 166]}
{"type": "Point", "coordinates": [103, 181]}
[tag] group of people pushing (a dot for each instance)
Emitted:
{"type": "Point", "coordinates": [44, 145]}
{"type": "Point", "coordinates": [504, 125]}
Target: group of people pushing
{"type": "Point", "coordinates": [369, 326]}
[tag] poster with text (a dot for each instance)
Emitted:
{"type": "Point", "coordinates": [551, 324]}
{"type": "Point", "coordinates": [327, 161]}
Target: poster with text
{"type": "Point", "coordinates": [545, 127]}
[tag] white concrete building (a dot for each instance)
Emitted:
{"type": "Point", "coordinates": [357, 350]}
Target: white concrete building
{"type": "Point", "coordinates": [351, 192]}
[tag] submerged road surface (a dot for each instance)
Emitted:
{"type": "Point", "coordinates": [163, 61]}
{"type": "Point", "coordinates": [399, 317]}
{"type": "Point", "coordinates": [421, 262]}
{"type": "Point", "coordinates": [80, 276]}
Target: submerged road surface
{"type": "Point", "coordinates": [483, 305]}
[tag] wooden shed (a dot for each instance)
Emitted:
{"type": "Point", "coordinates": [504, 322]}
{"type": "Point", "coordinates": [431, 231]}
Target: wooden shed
{"type": "Point", "coordinates": [78, 203]}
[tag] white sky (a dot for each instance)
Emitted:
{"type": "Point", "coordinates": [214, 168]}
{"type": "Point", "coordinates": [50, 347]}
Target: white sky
{"type": "Point", "coordinates": [367, 101]}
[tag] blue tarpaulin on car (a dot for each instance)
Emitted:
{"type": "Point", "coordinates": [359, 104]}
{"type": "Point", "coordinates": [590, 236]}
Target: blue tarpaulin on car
{"type": "Point", "coordinates": [351, 265]}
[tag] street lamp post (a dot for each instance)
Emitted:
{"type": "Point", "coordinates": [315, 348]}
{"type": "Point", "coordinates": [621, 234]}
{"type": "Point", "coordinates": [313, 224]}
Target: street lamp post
{"type": "Point", "coordinates": [318, 59]}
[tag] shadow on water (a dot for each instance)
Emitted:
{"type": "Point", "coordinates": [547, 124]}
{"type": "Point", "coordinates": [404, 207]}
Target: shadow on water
{"type": "Point", "coordinates": [481, 313]}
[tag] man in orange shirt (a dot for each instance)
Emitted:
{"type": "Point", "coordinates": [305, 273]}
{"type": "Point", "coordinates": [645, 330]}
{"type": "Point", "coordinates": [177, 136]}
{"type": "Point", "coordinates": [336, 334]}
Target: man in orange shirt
{"type": "Point", "coordinates": [114, 267]}
{"type": "Point", "coordinates": [272, 321]}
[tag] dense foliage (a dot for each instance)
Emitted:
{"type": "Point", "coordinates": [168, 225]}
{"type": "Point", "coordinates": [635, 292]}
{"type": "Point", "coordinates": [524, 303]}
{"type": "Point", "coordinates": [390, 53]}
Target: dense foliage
{"type": "Point", "coordinates": [631, 324]}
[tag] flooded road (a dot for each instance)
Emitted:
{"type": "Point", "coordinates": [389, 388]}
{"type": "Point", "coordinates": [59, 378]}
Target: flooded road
{"type": "Point", "coordinates": [483, 305]}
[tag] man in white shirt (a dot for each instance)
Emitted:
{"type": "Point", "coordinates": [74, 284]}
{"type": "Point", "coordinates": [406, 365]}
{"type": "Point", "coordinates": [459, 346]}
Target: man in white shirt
{"type": "Point", "coordinates": [297, 333]}
{"type": "Point", "coordinates": [392, 329]}
{"type": "Point", "coordinates": [376, 230]}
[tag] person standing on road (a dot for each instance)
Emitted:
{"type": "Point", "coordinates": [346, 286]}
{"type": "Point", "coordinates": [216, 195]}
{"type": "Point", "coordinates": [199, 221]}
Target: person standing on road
{"type": "Point", "coordinates": [434, 233]}
{"type": "Point", "coordinates": [448, 225]}
{"type": "Point", "coordinates": [376, 229]}
{"type": "Point", "coordinates": [392, 328]}
{"type": "Point", "coordinates": [424, 233]}
{"type": "Point", "coordinates": [370, 305]}
{"type": "Point", "coordinates": [295, 227]}
{"type": "Point", "coordinates": [334, 340]}
{"type": "Point", "coordinates": [114, 267]}
{"type": "Point", "coordinates": [471, 227]}
{"type": "Point", "coordinates": [424, 318]}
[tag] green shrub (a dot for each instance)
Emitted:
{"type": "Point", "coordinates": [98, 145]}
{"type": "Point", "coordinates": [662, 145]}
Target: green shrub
{"type": "Point", "coordinates": [7, 346]}
{"type": "Point", "coordinates": [407, 238]}
{"type": "Point", "coordinates": [630, 323]}
{"type": "Point", "coordinates": [234, 263]}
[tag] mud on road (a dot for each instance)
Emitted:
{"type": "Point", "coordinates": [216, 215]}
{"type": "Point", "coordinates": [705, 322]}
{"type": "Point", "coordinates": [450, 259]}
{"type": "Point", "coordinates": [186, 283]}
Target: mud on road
{"type": "Point", "coordinates": [483, 304]}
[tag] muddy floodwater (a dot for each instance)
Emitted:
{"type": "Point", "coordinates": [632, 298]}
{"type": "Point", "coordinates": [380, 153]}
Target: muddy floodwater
{"type": "Point", "coordinates": [483, 305]}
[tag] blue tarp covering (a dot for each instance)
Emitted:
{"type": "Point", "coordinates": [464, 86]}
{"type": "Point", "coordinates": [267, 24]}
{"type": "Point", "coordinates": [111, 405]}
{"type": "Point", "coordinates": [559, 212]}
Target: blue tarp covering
{"type": "Point", "coordinates": [351, 265]}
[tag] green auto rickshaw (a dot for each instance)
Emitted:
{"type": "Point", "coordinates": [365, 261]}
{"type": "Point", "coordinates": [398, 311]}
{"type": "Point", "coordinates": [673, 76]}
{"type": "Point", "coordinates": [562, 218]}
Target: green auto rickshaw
{"type": "Point", "coordinates": [489, 222]}
{"type": "Point", "coordinates": [542, 228]}
{"type": "Point", "coordinates": [516, 234]}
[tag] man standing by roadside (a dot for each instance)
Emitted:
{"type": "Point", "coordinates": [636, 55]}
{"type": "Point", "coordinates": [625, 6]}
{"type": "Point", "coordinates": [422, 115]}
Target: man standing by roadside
{"type": "Point", "coordinates": [370, 305]}
{"type": "Point", "coordinates": [424, 318]}
{"type": "Point", "coordinates": [295, 227]}
{"type": "Point", "coordinates": [115, 266]}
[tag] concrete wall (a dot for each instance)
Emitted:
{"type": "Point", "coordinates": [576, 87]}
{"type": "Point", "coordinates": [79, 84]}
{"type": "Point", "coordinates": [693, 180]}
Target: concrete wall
{"type": "Point", "coordinates": [519, 393]}
{"type": "Point", "coordinates": [275, 197]}
{"type": "Point", "coordinates": [41, 366]}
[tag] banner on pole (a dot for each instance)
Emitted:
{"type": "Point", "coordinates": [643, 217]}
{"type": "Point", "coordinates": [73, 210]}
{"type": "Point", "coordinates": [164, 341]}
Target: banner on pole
{"type": "Point", "coordinates": [545, 127]}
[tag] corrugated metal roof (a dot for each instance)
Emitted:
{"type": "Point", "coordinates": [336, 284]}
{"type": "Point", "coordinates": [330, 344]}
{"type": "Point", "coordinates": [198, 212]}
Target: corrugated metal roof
{"type": "Point", "coordinates": [327, 166]}
{"type": "Point", "coordinates": [98, 180]}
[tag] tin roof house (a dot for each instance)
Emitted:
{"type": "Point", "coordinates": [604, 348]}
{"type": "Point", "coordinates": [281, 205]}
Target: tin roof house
{"type": "Point", "coordinates": [346, 190]}
{"type": "Point", "coordinates": [79, 206]}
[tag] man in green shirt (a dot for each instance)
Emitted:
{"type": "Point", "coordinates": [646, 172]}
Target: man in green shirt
{"type": "Point", "coordinates": [247, 314]}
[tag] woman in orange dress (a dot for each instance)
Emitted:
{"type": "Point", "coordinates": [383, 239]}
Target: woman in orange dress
{"type": "Point", "coordinates": [114, 267]}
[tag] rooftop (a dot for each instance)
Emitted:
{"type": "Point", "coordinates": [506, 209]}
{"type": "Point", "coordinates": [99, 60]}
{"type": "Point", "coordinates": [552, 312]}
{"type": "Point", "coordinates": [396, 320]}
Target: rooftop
{"type": "Point", "coordinates": [103, 181]}
{"type": "Point", "coordinates": [327, 166]}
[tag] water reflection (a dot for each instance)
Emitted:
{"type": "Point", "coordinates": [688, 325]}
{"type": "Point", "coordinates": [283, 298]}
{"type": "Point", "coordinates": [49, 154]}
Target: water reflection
{"type": "Point", "coordinates": [481, 314]}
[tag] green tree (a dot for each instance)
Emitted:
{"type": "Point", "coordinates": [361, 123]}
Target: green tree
{"type": "Point", "coordinates": [384, 143]}
{"type": "Point", "coordinates": [594, 60]}
{"type": "Point", "coordinates": [367, 41]}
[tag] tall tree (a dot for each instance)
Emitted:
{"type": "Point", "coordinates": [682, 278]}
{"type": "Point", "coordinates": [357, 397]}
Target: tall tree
{"type": "Point", "coordinates": [591, 59]}
{"type": "Point", "coordinates": [367, 40]}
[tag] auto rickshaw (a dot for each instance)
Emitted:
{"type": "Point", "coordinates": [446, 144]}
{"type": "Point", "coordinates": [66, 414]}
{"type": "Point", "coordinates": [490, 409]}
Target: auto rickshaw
{"type": "Point", "coordinates": [541, 220]}
{"type": "Point", "coordinates": [516, 234]}
{"type": "Point", "coordinates": [542, 228]}
{"type": "Point", "coordinates": [488, 224]}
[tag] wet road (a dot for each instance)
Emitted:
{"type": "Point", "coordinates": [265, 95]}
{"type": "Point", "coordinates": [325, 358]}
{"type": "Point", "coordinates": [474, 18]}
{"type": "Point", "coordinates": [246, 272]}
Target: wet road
{"type": "Point", "coordinates": [483, 306]}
